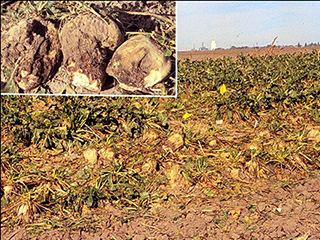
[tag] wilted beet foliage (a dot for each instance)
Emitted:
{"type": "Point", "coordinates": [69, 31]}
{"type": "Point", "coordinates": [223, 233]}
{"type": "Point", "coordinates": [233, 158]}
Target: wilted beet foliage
{"type": "Point", "coordinates": [58, 120]}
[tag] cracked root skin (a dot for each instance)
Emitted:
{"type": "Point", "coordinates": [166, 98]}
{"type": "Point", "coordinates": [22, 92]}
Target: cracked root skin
{"type": "Point", "coordinates": [32, 50]}
{"type": "Point", "coordinates": [138, 64]}
{"type": "Point", "coordinates": [87, 44]}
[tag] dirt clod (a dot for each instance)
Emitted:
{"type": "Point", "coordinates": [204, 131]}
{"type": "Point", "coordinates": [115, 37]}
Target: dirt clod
{"type": "Point", "coordinates": [175, 141]}
{"type": "Point", "coordinates": [91, 155]}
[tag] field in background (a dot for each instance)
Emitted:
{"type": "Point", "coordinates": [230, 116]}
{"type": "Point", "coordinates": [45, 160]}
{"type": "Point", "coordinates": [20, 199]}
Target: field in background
{"type": "Point", "coordinates": [199, 55]}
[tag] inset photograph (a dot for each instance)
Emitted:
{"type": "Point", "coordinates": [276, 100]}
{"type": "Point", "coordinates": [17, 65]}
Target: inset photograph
{"type": "Point", "coordinates": [111, 48]}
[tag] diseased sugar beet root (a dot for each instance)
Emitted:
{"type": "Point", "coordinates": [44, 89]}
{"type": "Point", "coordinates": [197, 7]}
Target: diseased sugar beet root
{"type": "Point", "coordinates": [138, 64]}
{"type": "Point", "coordinates": [88, 43]}
{"type": "Point", "coordinates": [31, 50]}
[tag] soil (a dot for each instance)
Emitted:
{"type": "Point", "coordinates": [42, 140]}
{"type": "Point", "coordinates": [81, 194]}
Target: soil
{"type": "Point", "coordinates": [199, 55]}
{"type": "Point", "coordinates": [274, 210]}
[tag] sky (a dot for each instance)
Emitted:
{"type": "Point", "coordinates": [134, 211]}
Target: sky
{"type": "Point", "coordinates": [246, 23]}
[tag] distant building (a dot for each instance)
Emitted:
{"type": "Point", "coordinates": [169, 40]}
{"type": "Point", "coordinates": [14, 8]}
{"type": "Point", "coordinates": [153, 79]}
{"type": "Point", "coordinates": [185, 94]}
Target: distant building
{"type": "Point", "coordinates": [203, 47]}
{"type": "Point", "coordinates": [213, 45]}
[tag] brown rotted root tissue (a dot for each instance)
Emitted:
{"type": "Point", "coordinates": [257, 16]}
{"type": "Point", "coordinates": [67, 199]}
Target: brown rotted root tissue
{"type": "Point", "coordinates": [31, 49]}
{"type": "Point", "coordinates": [139, 64]}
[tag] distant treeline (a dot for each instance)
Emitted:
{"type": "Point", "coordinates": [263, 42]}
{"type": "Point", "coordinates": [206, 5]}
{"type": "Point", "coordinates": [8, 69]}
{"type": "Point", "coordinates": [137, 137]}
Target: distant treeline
{"type": "Point", "coordinates": [269, 45]}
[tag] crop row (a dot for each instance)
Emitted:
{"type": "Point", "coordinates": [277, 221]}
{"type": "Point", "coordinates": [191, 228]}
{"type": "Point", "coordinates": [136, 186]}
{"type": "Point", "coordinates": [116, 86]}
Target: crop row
{"type": "Point", "coordinates": [254, 84]}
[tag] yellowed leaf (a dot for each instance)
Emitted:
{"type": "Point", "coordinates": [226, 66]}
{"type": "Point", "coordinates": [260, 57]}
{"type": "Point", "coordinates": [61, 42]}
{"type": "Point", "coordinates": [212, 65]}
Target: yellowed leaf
{"type": "Point", "coordinates": [253, 167]}
{"type": "Point", "coordinates": [223, 89]}
{"type": "Point", "coordinates": [235, 214]}
{"type": "Point", "coordinates": [22, 209]}
{"type": "Point", "coordinates": [213, 143]}
{"type": "Point", "coordinates": [300, 161]}
{"type": "Point", "coordinates": [304, 237]}
{"type": "Point", "coordinates": [235, 173]}
{"type": "Point", "coordinates": [85, 210]}
{"type": "Point", "coordinates": [262, 173]}
{"type": "Point", "coordinates": [186, 115]}
{"type": "Point", "coordinates": [225, 155]}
